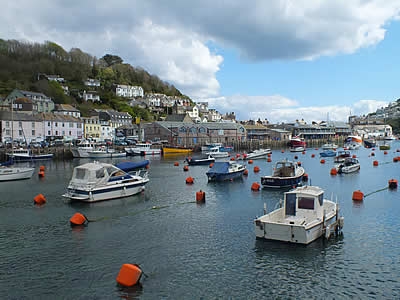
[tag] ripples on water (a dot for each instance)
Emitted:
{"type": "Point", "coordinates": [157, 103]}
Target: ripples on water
{"type": "Point", "coordinates": [192, 251]}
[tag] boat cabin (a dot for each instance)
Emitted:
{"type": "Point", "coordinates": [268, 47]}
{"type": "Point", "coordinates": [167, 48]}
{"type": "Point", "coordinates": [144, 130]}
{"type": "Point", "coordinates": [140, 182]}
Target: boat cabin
{"type": "Point", "coordinates": [284, 169]}
{"type": "Point", "coordinates": [305, 203]}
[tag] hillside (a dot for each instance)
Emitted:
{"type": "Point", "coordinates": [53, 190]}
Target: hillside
{"type": "Point", "coordinates": [23, 62]}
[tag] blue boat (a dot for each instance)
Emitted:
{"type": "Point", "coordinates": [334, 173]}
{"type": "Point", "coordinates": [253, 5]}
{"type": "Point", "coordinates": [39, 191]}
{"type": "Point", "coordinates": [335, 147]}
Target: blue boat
{"type": "Point", "coordinates": [328, 153]}
{"type": "Point", "coordinates": [285, 174]}
{"type": "Point", "coordinates": [228, 170]}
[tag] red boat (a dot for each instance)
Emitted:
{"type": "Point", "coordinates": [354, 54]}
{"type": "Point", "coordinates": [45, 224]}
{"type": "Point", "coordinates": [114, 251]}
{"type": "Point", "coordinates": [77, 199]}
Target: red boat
{"type": "Point", "coordinates": [296, 142]}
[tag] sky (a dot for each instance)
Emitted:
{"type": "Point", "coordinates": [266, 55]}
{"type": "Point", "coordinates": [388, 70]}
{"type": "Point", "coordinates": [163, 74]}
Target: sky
{"type": "Point", "coordinates": [279, 60]}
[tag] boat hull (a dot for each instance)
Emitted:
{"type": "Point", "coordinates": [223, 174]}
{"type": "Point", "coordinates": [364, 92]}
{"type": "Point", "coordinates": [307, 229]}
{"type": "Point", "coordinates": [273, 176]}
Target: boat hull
{"type": "Point", "coordinates": [280, 182]}
{"type": "Point", "coordinates": [11, 174]}
{"type": "Point", "coordinates": [169, 150]}
{"type": "Point", "coordinates": [34, 157]}
{"type": "Point", "coordinates": [106, 193]}
{"type": "Point", "coordinates": [197, 162]}
{"type": "Point", "coordinates": [225, 177]}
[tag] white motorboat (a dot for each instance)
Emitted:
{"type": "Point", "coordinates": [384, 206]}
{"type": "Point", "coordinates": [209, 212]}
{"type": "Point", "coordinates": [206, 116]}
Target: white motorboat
{"type": "Point", "coordinates": [353, 142]}
{"type": "Point", "coordinates": [143, 149]}
{"type": "Point", "coordinates": [304, 217]}
{"type": "Point", "coordinates": [81, 150]}
{"type": "Point", "coordinates": [207, 147]}
{"type": "Point", "coordinates": [97, 181]}
{"type": "Point", "coordinates": [329, 146]}
{"type": "Point", "coordinates": [297, 149]}
{"type": "Point", "coordinates": [24, 154]}
{"type": "Point", "coordinates": [9, 173]}
{"type": "Point", "coordinates": [228, 170]}
{"type": "Point", "coordinates": [217, 153]}
{"type": "Point", "coordinates": [257, 154]}
{"type": "Point", "coordinates": [104, 152]}
{"type": "Point", "coordinates": [349, 165]}
{"type": "Point", "coordinates": [285, 174]}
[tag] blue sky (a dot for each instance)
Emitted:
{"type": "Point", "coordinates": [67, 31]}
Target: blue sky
{"type": "Point", "coordinates": [279, 60]}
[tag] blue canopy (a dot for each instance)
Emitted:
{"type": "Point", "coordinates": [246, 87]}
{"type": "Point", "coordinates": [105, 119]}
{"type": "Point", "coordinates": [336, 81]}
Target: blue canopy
{"type": "Point", "coordinates": [128, 166]}
{"type": "Point", "coordinates": [219, 168]}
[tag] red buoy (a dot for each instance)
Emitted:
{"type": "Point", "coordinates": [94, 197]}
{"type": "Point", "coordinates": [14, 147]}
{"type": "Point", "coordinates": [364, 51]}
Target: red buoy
{"type": "Point", "coordinates": [176, 164]}
{"type": "Point", "coordinates": [322, 161]}
{"type": "Point", "coordinates": [41, 168]}
{"type": "Point", "coordinates": [269, 159]}
{"type": "Point", "coordinates": [185, 168]}
{"type": "Point", "coordinates": [200, 196]}
{"type": "Point", "coordinates": [129, 275]}
{"type": "Point", "coordinates": [39, 199]}
{"type": "Point", "coordinates": [358, 195]}
{"type": "Point", "coordinates": [375, 163]}
{"type": "Point", "coordinates": [250, 161]}
{"type": "Point", "coordinates": [255, 186]}
{"type": "Point", "coordinates": [232, 158]}
{"type": "Point", "coordinates": [246, 172]}
{"type": "Point", "coordinates": [41, 173]}
{"type": "Point", "coordinates": [333, 171]}
{"type": "Point", "coordinates": [256, 169]}
{"type": "Point", "coordinates": [313, 155]}
{"type": "Point", "coordinates": [189, 180]}
{"type": "Point", "coordinates": [393, 184]}
{"type": "Point", "coordinates": [211, 165]}
{"type": "Point", "coordinates": [78, 219]}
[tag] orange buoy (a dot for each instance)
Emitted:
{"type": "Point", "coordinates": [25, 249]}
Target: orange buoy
{"type": "Point", "coordinates": [250, 161]}
{"type": "Point", "coordinates": [189, 180]}
{"type": "Point", "coordinates": [322, 161]}
{"type": "Point", "coordinates": [299, 163]}
{"type": "Point", "coordinates": [255, 186]}
{"type": "Point", "coordinates": [395, 159]}
{"type": "Point", "coordinates": [211, 165]}
{"type": "Point", "coordinates": [200, 196]}
{"type": "Point", "coordinates": [305, 177]}
{"type": "Point", "coordinates": [333, 171]}
{"type": "Point", "coordinates": [385, 152]}
{"type": "Point", "coordinates": [256, 169]}
{"type": "Point", "coordinates": [269, 155]}
{"type": "Point", "coordinates": [237, 155]}
{"type": "Point", "coordinates": [313, 155]}
{"type": "Point", "coordinates": [129, 275]}
{"type": "Point", "coordinates": [185, 168]}
{"type": "Point", "coordinates": [41, 173]}
{"type": "Point", "coordinates": [358, 195]}
{"type": "Point", "coordinates": [269, 159]}
{"type": "Point", "coordinates": [375, 163]}
{"type": "Point", "coordinates": [39, 199]}
{"type": "Point", "coordinates": [41, 168]}
{"type": "Point", "coordinates": [78, 219]}
{"type": "Point", "coordinates": [304, 152]}
{"type": "Point", "coordinates": [354, 156]}
{"type": "Point", "coordinates": [246, 172]}
{"type": "Point", "coordinates": [176, 164]}
{"type": "Point", "coordinates": [316, 148]}
{"type": "Point", "coordinates": [283, 151]}
{"type": "Point", "coordinates": [232, 158]}
{"type": "Point", "coordinates": [393, 184]}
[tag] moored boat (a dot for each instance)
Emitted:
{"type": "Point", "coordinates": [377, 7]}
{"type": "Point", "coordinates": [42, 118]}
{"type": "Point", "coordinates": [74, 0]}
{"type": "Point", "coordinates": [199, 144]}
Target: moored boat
{"type": "Point", "coordinates": [104, 152]}
{"type": "Point", "coordinates": [297, 149]}
{"type": "Point", "coordinates": [329, 145]}
{"type": "Point", "coordinates": [285, 174]}
{"type": "Point", "coordinates": [177, 149]}
{"type": "Point", "coordinates": [11, 173]}
{"type": "Point", "coordinates": [349, 165]}
{"type": "Point", "coordinates": [228, 170]}
{"type": "Point", "coordinates": [200, 160]}
{"type": "Point", "coordinates": [369, 143]}
{"type": "Point", "coordinates": [297, 141]}
{"type": "Point", "coordinates": [304, 217]}
{"type": "Point", "coordinates": [257, 154]}
{"type": "Point", "coordinates": [352, 142]}
{"type": "Point", "coordinates": [143, 149]}
{"type": "Point", "coordinates": [24, 154]}
{"type": "Point", "coordinates": [98, 181]}
{"type": "Point", "coordinates": [328, 153]}
{"type": "Point", "coordinates": [217, 153]}
{"type": "Point", "coordinates": [341, 156]}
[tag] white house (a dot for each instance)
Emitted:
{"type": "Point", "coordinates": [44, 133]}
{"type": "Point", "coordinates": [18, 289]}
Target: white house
{"type": "Point", "coordinates": [92, 96]}
{"type": "Point", "coordinates": [92, 82]}
{"type": "Point", "coordinates": [128, 91]}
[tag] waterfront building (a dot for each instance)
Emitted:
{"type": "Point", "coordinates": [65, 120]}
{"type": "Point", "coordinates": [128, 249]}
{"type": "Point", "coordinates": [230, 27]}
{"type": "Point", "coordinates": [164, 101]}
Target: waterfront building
{"type": "Point", "coordinates": [191, 134]}
{"type": "Point", "coordinates": [67, 109]}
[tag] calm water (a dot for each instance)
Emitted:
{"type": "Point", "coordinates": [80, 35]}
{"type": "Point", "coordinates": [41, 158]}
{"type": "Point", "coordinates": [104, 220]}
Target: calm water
{"type": "Point", "coordinates": [191, 251]}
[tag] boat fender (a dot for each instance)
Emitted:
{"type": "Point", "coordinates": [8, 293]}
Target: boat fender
{"type": "Point", "coordinates": [341, 222]}
{"type": "Point", "coordinates": [129, 275]}
{"type": "Point", "coordinates": [327, 232]}
{"type": "Point", "coordinates": [39, 199]}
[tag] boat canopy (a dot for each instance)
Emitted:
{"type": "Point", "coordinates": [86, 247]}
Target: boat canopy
{"type": "Point", "coordinates": [219, 167]}
{"type": "Point", "coordinates": [92, 173]}
{"type": "Point", "coordinates": [129, 166]}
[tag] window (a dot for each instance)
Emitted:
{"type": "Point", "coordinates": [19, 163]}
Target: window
{"type": "Point", "coordinates": [48, 132]}
{"type": "Point", "coordinates": [20, 124]}
{"type": "Point", "coordinates": [202, 130]}
{"type": "Point", "coordinates": [48, 124]}
{"type": "Point", "coordinates": [182, 129]}
{"type": "Point", "coordinates": [33, 124]}
{"type": "Point", "coordinates": [20, 132]}
{"type": "Point", "coordinates": [56, 124]}
{"type": "Point", "coordinates": [193, 130]}
{"type": "Point", "coordinates": [305, 203]}
{"type": "Point", "coordinates": [62, 125]}
{"type": "Point", "coordinates": [33, 132]}
{"type": "Point", "coordinates": [8, 132]}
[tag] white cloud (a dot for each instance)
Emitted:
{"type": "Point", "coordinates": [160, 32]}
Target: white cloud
{"type": "Point", "coordinates": [277, 109]}
{"type": "Point", "coordinates": [170, 38]}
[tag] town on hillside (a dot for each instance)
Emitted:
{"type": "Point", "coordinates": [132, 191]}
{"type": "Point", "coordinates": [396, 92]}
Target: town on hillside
{"type": "Point", "coordinates": [32, 118]}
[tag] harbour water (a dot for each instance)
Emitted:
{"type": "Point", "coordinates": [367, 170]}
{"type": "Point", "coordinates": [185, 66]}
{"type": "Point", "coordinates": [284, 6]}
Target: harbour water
{"type": "Point", "coordinates": [193, 251]}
